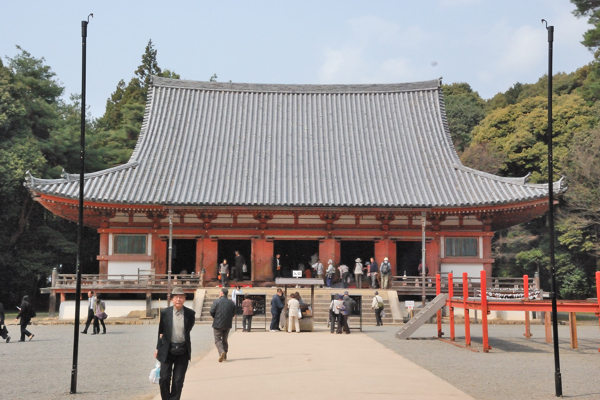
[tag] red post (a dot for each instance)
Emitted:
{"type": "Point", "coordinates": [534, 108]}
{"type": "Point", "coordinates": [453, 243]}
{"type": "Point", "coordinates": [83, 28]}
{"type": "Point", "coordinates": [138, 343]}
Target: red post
{"type": "Point", "coordinates": [451, 309]}
{"type": "Point", "coordinates": [526, 298]}
{"type": "Point", "coordinates": [484, 312]}
{"type": "Point", "coordinates": [466, 310]}
{"type": "Point", "coordinates": [598, 294]}
{"type": "Point", "coordinates": [438, 291]}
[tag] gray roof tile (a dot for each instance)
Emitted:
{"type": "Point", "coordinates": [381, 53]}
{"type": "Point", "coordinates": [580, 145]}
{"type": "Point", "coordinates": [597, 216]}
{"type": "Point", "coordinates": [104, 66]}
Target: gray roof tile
{"type": "Point", "coordinates": [207, 143]}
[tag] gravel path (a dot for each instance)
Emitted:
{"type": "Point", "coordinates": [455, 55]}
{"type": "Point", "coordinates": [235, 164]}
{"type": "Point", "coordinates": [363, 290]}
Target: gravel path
{"type": "Point", "coordinates": [515, 368]}
{"type": "Point", "coordinates": [116, 365]}
{"type": "Point", "coordinates": [111, 366]}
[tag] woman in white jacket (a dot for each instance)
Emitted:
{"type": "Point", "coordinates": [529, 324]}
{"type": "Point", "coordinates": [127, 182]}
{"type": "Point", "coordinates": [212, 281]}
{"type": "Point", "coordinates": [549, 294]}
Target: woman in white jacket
{"type": "Point", "coordinates": [293, 310]}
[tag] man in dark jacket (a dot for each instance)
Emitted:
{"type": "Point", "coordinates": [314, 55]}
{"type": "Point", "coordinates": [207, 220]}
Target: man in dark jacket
{"type": "Point", "coordinates": [276, 308]}
{"type": "Point", "coordinates": [223, 311]}
{"type": "Point", "coordinates": [174, 348]}
{"type": "Point", "coordinates": [276, 267]}
{"type": "Point", "coordinates": [239, 266]}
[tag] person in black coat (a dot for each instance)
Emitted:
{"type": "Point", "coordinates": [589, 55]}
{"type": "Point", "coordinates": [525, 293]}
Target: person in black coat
{"type": "Point", "coordinates": [239, 266]}
{"type": "Point", "coordinates": [3, 330]}
{"type": "Point", "coordinates": [276, 308]}
{"type": "Point", "coordinates": [26, 312]}
{"type": "Point", "coordinates": [174, 347]}
{"type": "Point", "coordinates": [222, 311]}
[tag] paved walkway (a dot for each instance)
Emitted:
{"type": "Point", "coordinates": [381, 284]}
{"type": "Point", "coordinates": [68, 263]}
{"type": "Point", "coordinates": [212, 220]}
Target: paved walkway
{"type": "Point", "coordinates": [263, 365]}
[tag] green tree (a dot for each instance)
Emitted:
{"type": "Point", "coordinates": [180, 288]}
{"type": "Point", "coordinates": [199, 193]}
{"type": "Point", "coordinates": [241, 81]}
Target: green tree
{"type": "Point", "coordinates": [464, 110]}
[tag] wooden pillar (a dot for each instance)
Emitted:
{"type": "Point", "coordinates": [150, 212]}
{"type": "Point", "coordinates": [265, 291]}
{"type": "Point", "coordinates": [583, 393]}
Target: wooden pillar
{"type": "Point", "coordinates": [548, 327]}
{"type": "Point", "coordinates": [527, 333]}
{"type": "Point", "coordinates": [148, 304]}
{"type": "Point", "coordinates": [159, 250]}
{"type": "Point", "coordinates": [262, 259]}
{"type": "Point", "coordinates": [206, 257]}
{"type": "Point", "coordinates": [329, 249]}
{"type": "Point", "coordinates": [573, 329]}
{"type": "Point", "coordinates": [484, 312]}
{"type": "Point", "coordinates": [487, 254]}
{"type": "Point", "coordinates": [386, 248]}
{"type": "Point", "coordinates": [432, 255]}
{"type": "Point", "coordinates": [103, 251]}
{"type": "Point", "coordinates": [52, 305]}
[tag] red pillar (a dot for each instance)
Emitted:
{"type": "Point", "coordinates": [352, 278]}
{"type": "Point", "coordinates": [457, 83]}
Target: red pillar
{"type": "Point", "coordinates": [487, 254]}
{"type": "Point", "coordinates": [386, 248]}
{"type": "Point", "coordinates": [159, 248]}
{"type": "Point", "coordinates": [526, 298]}
{"type": "Point", "coordinates": [329, 249]}
{"type": "Point", "coordinates": [438, 291]}
{"type": "Point", "coordinates": [206, 256]}
{"type": "Point", "coordinates": [484, 312]}
{"type": "Point", "coordinates": [451, 309]}
{"type": "Point", "coordinates": [103, 270]}
{"type": "Point", "coordinates": [262, 259]}
{"type": "Point", "coordinates": [466, 310]}
{"type": "Point", "coordinates": [432, 255]}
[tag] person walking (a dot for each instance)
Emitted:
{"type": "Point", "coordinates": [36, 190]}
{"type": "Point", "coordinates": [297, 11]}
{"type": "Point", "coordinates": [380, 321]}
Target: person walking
{"type": "Point", "coordinates": [99, 316]}
{"type": "Point", "coordinates": [26, 312]}
{"type": "Point", "coordinates": [349, 304]}
{"type": "Point", "coordinates": [377, 306]}
{"type": "Point", "coordinates": [293, 310]}
{"type": "Point", "coordinates": [329, 273]}
{"type": "Point", "coordinates": [222, 311]}
{"type": "Point", "coordinates": [373, 271]}
{"type": "Point", "coordinates": [276, 309]}
{"type": "Point", "coordinates": [224, 272]}
{"type": "Point", "coordinates": [91, 312]}
{"type": "Point", "coordinates": [386, 272]}
{"type": "Point", "coordinates": [174, 346]}
{"type": "Point", "coordinates": [344, 273]}
{"type": "Point", "coordinates": [239, 266]}
{"type": "Point", "coordinates": [237, 291]}
{"type": "Point", "coordinates": [247, 313]}
{"type": "Point", "coordinates": [3, 330]}
{"type": "Point", "coordinates": [358, 273]}
{"type": "Point", "coordinates": [334, 311]}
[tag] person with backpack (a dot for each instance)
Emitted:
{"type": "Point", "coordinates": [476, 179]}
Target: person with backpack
{"type": "Point", "coordinates": [377, 305]}
{"type": "Point", "coordinates": [386, 273]}
{"type": "Point", "coordinates": [329, 273]}
{"type": "Point", "coordinates": [345, 314]}
{"type": "Point", "coordinates": [26, 312]}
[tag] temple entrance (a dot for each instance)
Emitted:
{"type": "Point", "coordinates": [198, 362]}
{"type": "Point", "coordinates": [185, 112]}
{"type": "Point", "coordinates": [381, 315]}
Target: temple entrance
{"type": "Point", "coordinates": [226, 250]}
{"type": "Point", "coordinates": [352, 249]}
{"type": "Point", "coordinates": [295, 254]}
{"type": "Point", "coordinates": [184, 256]}
{"type": "Point", "coordinates": [408, 257]}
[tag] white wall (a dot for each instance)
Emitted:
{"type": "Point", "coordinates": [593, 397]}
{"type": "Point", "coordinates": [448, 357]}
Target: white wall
{"type": "Point", "coordinates": [114, 308]}
{"type": "Point", "coordinates": [127, 267]}
{"type": "Point", "coordinates": [457, 270]}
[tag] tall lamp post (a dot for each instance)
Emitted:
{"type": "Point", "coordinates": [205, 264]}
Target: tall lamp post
{"type": "Point", "coordinates": [84, 25]}
{"type": "Point", "coordinates": [557, 375]}
{"type": "Point", "coordinates": [423, 268]}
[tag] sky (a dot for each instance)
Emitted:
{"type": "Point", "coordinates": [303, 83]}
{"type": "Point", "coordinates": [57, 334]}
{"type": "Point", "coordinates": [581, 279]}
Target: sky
{"type": "Point", "coordinates": [489, 44]}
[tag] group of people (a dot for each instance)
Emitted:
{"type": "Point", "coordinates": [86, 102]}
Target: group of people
{"type": "Point", "coordinates": [236, 272]}
{"type": "Point", "coordinates": [293, 311]}
{"type": "Point", "coordinates": [96, 312]}
{"type": "Point", "coordinates": [369, 273]}
{"type": "Point", "coordinates": [26, 313]}
{"type": "Point", "coordinates": [340, 309]}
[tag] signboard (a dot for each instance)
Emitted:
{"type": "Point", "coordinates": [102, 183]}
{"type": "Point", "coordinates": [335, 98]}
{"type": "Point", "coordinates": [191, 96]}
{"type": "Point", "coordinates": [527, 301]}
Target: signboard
{"type": "Point", "coordinates": [409, 304]}
{"type": "Point", "coordinates": [297, 273]}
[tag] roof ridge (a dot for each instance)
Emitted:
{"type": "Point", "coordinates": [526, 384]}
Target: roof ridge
{"type": "Point", "coordinates": [75, 177]}
{"type": "Point", "coordinates": [434, 84]}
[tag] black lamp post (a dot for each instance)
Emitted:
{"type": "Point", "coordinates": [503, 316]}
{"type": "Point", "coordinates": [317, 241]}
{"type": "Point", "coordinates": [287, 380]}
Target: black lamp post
{"type": "Point", "coordinates": [84, 25]}
{"type": "Point", "coordinates": [557, 375]}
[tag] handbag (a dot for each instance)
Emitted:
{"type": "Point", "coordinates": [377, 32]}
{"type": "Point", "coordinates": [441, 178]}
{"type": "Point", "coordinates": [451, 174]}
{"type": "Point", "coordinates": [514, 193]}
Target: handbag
{"type": "Point", "coordinates": [382, 313]}
{"type": "Point", "coordinates": [244, 268]}
{"type": "Point", "coordinates": [103, 316]}
{"type": "Point", "coordinates": [299, 313]}
{"type": "Point", "coordinates": [154, 376]}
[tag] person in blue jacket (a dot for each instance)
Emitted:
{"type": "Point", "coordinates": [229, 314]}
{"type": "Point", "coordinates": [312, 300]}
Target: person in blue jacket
{"type": "Point", "coordinates": [276, 308]}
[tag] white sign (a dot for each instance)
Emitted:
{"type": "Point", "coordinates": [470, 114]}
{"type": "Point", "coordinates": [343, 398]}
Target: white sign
{"type": "Point", "coordinates": [409, 304]}
{"type": "Point", "coordinates": [297, 273]}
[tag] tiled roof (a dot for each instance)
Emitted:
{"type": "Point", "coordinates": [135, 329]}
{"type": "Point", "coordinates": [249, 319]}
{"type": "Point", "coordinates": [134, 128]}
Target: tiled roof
{"type": "Point", "coordinates": [208, 144]}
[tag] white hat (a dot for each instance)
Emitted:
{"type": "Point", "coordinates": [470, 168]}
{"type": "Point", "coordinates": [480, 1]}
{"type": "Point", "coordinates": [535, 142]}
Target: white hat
{"type": "Point", "coordinates": [330, 262]}
{"type": "Point", "coordinates": [358, 260]}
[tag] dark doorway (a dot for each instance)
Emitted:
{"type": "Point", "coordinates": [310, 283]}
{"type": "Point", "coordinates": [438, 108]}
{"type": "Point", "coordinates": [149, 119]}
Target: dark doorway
{"type": "Point", "coordinates": [408, 256]}
{"type": "Point", "coordinates": [294, 253]}
{"type": "Point", "coordinates": [353, 249]}
{"type": "Point", "coordinates": [184, 256]}
{"type": "Point", "coordinates": [227, 248]}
